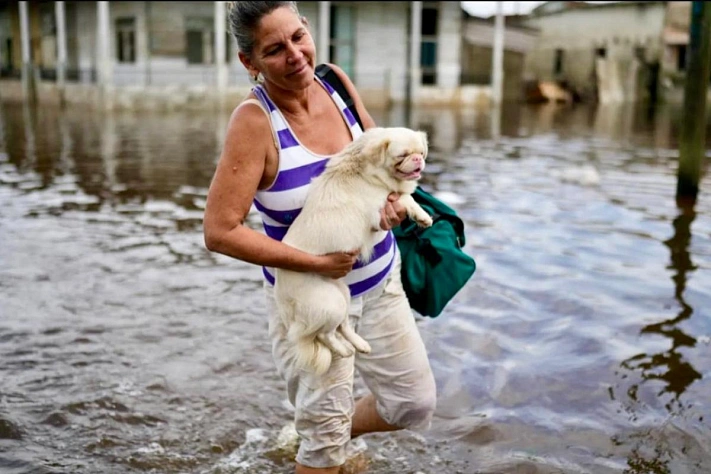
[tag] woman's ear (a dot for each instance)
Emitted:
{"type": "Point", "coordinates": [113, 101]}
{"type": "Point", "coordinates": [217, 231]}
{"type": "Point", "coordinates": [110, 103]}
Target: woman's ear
{"type": "Point", "coordinates": [247, 63]}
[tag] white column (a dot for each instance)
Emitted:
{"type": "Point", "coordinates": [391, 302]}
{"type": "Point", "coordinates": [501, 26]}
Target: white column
{"type": "Point", "coordinates": [220, 47]}
{"type": "Point", "coordinates": [104, 58]}
{"type": "Point", "coordinates": [27, 73]}
{"type": "Point", "coordinates": [324, 32]}
{"type": "Point", "coordinates": [415, 46]}
{"type": "Point", "coordinates": [61, 48]}
{"type": "Point", "coordinates": [497, 72]}
{"type": "Point", "coordinates": [143, 42]}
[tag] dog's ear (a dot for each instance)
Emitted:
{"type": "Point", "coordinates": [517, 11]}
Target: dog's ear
{"type": "Point", "coordinates": [425, 145]}
{"type": "Point", "coordinates": [380, 151]}
{"type": "Point", "coordinates": [372, 145]}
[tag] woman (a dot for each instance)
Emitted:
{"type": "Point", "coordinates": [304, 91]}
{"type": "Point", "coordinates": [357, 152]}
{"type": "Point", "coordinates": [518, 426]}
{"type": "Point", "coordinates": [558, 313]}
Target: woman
{"type": "Point", "coordinates": [277, 140]}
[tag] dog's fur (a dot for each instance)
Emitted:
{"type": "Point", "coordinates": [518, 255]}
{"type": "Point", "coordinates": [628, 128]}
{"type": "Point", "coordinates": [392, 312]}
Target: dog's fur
{"type": "Point", "coordinates": [342, 213]}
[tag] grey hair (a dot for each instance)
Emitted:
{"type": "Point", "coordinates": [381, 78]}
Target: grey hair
{"type": "Point", "coordinates": [245, 17]}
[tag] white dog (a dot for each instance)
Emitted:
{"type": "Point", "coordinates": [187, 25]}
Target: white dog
{"type": "Point", "coordinates": [342, 213]}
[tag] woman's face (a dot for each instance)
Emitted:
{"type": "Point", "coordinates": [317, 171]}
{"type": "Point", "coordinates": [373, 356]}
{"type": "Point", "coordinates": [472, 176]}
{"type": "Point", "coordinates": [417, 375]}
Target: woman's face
{"type": "Point", "coordinates": [284, 51]}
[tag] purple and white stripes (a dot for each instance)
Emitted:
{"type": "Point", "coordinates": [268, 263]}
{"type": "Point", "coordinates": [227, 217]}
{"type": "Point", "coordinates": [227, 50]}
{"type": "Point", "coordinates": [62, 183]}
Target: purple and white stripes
{"type": "Point", "coordinates": [281, 203]}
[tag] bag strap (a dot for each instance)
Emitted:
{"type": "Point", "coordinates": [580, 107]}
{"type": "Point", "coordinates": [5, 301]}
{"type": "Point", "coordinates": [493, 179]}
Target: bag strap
{"type": "Point", "coordinates": [326, 74]}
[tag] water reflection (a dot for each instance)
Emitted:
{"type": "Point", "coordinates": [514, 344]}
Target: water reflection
{"type": "Point", "coordinates": [118, 155]}
{"type": "Point", "coordinates": [670, 367]}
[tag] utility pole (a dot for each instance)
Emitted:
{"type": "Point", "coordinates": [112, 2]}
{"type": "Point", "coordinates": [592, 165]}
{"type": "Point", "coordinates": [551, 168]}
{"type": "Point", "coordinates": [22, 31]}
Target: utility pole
{"type": "Point", "coordinates": [692, 144]}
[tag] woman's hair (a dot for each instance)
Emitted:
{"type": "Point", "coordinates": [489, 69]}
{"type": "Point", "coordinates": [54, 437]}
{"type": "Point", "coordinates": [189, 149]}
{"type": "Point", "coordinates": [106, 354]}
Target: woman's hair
{"type": "Point", "coordinates": [245, 17]}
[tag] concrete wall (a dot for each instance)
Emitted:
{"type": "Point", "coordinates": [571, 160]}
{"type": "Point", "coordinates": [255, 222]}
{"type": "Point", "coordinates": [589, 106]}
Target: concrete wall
{"type": "Point", "coordinates": [382, 50]}
{"type": "Point", "coordinates": [477, 64]}
{"type": "Point", "coordinates": [619, 28]}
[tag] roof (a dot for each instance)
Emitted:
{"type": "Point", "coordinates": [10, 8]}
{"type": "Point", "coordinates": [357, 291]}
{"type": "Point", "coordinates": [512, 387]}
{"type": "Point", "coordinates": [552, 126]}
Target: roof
{"type": "Point", "coordinates": [510, 22]}
{"type": "Point", "coordinates": [551, 8]}
{"type": "Point", "coordinates": [480, 32]}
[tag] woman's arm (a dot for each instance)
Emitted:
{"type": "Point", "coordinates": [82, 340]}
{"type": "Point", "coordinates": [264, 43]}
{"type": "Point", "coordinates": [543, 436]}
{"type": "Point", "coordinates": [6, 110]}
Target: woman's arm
{"type": "Point", "coordinates": [239, 171]}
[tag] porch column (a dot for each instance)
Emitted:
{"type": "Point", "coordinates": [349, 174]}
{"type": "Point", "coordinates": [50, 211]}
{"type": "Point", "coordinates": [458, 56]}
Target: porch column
{"type": "Point", "coordinates": [220, 48]}
{"type": "Point", "coordinates": [143, 42]}
{"type": "Point", "coordinates": [61, 49]}
{"type": "Point", "coordinates": [104, 57]}
{"type": "Point", "coordinates": [415, 46]}
{"type": "Point", "coordinates": [324, 32]}
{"type": "Point", "coordinates": [497, 72]}
{"type": "Point", "coordinates": [28, 78]}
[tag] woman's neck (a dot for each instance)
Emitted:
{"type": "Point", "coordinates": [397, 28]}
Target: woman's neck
{"type": "Point", "coordinates": [290, 101]}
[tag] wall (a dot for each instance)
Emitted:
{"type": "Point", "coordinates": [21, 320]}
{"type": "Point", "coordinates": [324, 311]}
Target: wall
{"type": "Point", "coordinates": [579, 32]}
{"type": "Point", "coordinates": [477, 64]}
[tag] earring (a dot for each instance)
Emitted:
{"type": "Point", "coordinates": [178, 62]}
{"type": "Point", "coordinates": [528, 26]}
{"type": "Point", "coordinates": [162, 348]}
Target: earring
{"type": "Point", "coordinates": [258, 78]}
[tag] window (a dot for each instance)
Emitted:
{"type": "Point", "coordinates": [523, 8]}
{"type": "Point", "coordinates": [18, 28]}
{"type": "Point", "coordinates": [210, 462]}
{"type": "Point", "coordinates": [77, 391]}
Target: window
{"type": "Point", "coordinates": [558, 62]}
{"type": "Point", "coordinates": [428, 47]}
{"type": "Point", "coordinates": [199, 39]}
{"type": "Point", "coordinates": [126, 40]}
{"type": "Point", "coordinates": [342, 36]}
{"type": "Point", "coordinates": [681, 58]}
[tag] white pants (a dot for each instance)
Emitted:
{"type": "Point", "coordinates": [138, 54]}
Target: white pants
{"type": "Point", "coordinates": [397, 372]}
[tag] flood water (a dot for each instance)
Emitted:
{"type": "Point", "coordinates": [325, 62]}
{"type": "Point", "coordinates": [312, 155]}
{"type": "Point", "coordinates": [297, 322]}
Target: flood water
{"type": "Point", "coordinates": [581, 345]}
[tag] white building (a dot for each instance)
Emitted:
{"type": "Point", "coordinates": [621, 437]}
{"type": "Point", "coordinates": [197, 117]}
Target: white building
{"type": "Point", "coordinates": [606, 51]}
{"type": "Point", "coordinates": [141, 54]}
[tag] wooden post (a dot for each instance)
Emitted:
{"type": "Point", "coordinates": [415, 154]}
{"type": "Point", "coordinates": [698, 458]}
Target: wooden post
{"type": "Point", "coordinates": [693, 134]}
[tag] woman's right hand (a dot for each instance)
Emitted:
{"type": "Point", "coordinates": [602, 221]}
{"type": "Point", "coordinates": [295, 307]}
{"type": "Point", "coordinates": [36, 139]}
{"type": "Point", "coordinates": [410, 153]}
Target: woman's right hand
{"type": "Point", "coordinates": [337, 264]}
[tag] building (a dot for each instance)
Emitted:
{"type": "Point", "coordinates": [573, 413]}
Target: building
{"type": "Point", "coordinates": [676, 41]}
{"type": "Point", "coordinates": [477, 55]}
{"type": "Point", "coordinates": [173, 54]}
{"type": "Point", "coordinates": [608, 52]}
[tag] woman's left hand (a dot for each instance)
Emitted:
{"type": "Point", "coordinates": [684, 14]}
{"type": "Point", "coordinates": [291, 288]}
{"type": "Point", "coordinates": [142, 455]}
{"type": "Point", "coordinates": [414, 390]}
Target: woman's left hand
{"type": "Point", "coordinates": [393, 213]}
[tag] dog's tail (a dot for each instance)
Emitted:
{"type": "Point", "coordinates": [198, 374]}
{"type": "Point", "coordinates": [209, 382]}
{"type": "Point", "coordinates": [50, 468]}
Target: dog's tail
{"type": "Point", "coordinates": [310, 354]}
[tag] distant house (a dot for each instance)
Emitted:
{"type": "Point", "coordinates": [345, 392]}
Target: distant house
{"type": "Point", "coordinates": [676, 41]}
{"type": "Point", "coordinates": [477, 47]}
{"type": "Point", "coordinates": [182, 52]}
{"type": "Point", "coordinates": [608, 52]}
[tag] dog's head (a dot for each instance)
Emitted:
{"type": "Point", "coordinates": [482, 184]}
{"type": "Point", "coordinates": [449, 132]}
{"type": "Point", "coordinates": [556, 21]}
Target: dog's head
{"type": "Point", "coordinates": [392, 153]}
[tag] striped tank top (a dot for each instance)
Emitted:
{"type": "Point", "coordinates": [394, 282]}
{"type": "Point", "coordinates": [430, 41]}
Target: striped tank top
{"type": "Point", "coordinates": [279, 204]}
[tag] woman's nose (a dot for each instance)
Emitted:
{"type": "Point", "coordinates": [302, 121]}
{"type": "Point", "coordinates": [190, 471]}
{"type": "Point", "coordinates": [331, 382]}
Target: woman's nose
{"type": "Point", "coordinates": [294, 53]}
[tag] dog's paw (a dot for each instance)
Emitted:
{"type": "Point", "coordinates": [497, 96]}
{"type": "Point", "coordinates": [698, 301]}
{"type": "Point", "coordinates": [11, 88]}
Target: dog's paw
{"type": "Point", "coordinates": [363, 348]}
{"type": "Point", "coordinates": [424, 221]}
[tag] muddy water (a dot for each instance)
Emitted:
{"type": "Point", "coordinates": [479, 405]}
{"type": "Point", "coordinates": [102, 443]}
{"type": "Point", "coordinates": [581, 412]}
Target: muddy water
{"type": "Point", "coordinates": [582, 344]}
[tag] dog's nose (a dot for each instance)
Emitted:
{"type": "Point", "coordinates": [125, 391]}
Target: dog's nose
{"type": "Point", "coordinates": [417, 157]}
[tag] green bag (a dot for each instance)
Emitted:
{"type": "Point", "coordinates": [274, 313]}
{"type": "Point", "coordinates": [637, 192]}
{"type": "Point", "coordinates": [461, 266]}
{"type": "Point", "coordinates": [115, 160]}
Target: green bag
{"type": "Point", "coordinates": [434, 266]}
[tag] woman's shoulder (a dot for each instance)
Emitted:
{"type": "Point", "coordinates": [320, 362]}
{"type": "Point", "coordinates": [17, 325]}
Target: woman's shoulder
{"type": "Point", "coordinates": [250, 114]}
